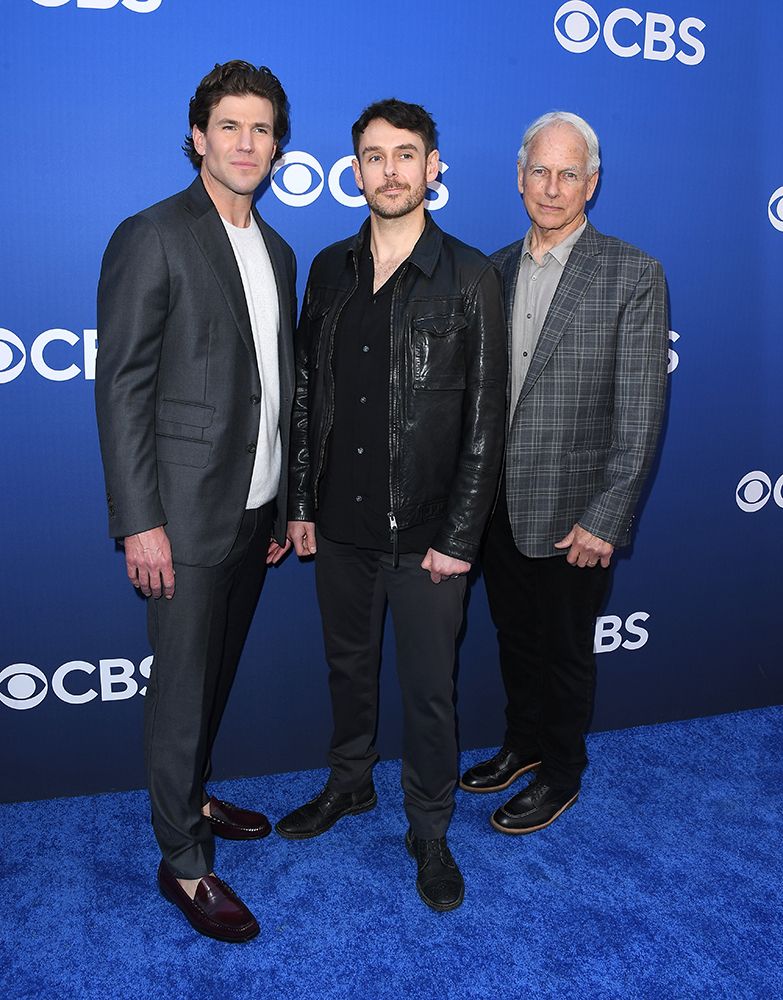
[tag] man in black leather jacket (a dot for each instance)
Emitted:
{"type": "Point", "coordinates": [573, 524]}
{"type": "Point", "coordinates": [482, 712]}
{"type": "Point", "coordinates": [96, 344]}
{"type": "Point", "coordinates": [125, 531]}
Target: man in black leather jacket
{"type": "Point", "coordinates": [397, 439]}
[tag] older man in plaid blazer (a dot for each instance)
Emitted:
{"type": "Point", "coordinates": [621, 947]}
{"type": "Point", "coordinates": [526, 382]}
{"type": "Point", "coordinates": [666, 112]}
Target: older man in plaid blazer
{"type": "Point", "coordinates": [588, 337]}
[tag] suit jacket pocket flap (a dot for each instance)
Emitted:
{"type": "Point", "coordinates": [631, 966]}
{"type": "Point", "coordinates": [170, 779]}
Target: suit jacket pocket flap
{"type": "Point", "coordinates": [182, 451]}
{"type": "Point", "coordinates": [179, 411]}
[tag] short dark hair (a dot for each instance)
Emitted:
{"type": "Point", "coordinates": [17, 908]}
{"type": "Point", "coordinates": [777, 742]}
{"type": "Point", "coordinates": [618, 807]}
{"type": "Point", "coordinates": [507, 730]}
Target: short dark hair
{"type": "Point", "coordinates": [412, 117]}
{"type": "Point", "coordinates": [236, 78]}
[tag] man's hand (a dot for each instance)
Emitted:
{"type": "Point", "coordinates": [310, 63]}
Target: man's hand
{"type": "Point", "coordinates": [585, 549]}
{"type": "Point", "coordinates": [275, 552]}
{"type": "Point", "coordinates": [302, 534]}
{"type": "Point", "coordinates": [441, 567]}
{"type": "Point", "coordinates": [148, 561]}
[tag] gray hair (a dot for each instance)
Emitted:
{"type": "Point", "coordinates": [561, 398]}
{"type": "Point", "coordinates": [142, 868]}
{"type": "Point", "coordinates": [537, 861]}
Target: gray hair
{"type": "Point", "coordinates": [563, 118]}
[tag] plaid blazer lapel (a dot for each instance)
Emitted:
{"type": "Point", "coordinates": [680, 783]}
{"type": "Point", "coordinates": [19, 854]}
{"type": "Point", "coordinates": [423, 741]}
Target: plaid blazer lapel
{"type": "Point", "coordinates": [583, 264]}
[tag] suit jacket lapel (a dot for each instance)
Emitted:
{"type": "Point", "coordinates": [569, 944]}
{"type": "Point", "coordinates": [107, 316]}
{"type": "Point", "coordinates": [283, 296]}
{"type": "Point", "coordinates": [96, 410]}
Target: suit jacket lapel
{"type": "Point", "coordinates": [583, 264]}
{"type": "Point", "coordinates": [211, 236]}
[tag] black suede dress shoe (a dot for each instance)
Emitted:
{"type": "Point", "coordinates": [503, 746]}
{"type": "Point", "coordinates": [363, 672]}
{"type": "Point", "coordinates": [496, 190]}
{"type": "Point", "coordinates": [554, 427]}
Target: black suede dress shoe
{"type": "Point", "coordinates": [498, 772]}
{"type": "Point", "coordinates": [232, 823]}
{"type": "Point", "coordinates": [216, 911]}
{"type": "Point", "coordinates": [321, 813]}
{"type": "Point", "coordinates": [532, 809]}
{"type": "Point", "coordinates": [439, 880]}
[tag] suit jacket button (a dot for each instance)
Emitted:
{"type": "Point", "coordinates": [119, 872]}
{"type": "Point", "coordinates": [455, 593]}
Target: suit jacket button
{"type": "Point", "coordinates": [252, 449]}
{"type": "Point", "coordinates": [255, 400]}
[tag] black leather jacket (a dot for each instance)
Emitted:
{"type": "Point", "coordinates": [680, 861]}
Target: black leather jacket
{"type": "Point", "coordinates": [446, 393]}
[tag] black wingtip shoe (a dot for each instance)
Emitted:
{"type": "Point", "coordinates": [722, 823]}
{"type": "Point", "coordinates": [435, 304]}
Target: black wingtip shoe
{"type": "Point", "coordinates": [498, 772]}
{"type": "Point", "coordinates": [439, 881]}
{"type": "Point", "coordinates": [321, 813]}
{"type": "Point", "coordinates": [533, 808]}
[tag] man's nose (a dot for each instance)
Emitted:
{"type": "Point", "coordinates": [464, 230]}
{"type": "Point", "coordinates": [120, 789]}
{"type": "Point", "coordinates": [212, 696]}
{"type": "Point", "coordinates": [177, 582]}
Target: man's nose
{"type": "Point", "coordinates": [390, 169]}
{"type": "Point", "coordinates": [245, 138]}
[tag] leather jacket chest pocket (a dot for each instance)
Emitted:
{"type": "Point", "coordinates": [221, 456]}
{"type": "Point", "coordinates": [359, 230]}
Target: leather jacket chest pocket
{"type": "Point", "coordinates": [439, 351]}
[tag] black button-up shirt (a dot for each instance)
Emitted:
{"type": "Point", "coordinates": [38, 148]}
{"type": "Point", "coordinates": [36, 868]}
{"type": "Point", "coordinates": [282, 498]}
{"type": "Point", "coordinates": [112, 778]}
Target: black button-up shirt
{"type": "Point", "coordinates": [355, 503]}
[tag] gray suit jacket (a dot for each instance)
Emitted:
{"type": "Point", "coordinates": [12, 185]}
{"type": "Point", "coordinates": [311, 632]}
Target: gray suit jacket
{"type": "Point", "coordinates": [177, 387]}
{"type": "Point", "coordinates": [584, 431]}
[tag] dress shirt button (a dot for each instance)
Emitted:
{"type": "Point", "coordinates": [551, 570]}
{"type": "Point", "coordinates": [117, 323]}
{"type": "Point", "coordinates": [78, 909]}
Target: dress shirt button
{"type": "Point", "coordinates": [362, 399]}
{"type": "Point", "coordinates": [255, 400]}
{"type": "Point", "coordinates": [530, 315]}
{"type": "Point", "coordinates": [360, 451]}
{"type": "Point", "coordinates": [251, 449]}
{"type": "Point", "coordinates": [533, 278]}
{"type": "Point", "coordinates": [366, 348]}
{"type": "Point", "coordinates": [524, 354]}
{"type": "Point", "coordinates": [358, 499]}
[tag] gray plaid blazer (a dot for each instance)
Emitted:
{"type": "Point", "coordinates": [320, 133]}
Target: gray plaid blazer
{"type": "Point", "coordinates": [583, 433]}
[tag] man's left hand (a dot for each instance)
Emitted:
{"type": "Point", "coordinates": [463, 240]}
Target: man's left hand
{"type": "Point", "coordinates": [441, 567]}
{"type": "Point", "coordinates": [585, 549]}
{"type": "Point", "coordinates": [275, 552]}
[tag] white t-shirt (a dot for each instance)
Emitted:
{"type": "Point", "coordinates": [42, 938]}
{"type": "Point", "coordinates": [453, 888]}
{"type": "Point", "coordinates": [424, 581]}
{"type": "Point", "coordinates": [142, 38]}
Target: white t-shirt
{"type": "Point", "coordinates": [258, 281]}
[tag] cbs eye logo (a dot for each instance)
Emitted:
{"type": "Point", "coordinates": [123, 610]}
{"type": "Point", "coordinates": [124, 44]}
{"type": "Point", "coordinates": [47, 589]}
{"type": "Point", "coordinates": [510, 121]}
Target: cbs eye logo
{"type": "Point", "coordinates": [578, 28]}
{"type": "Point", "coordinates": [137, 6]}
{"type": "Point", "coordinates": [22, 686]}
{"type": "Point", "coordinates": [298, 179]}
{"type": "Point", "coordinates": [13, 356]}
{"type": "Point", "coordinates": [754, 490]}
{"type": "Point", "coordinates": [775, 209]}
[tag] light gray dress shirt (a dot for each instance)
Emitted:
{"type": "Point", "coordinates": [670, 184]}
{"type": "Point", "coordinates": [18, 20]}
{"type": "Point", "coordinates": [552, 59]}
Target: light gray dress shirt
{"type": "Point", "coordinates": [535, 289]}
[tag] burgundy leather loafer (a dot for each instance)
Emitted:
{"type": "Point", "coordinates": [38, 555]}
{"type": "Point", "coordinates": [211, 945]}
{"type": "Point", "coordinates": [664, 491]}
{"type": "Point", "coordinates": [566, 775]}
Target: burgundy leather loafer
{"type": "Point", "coordinates": [216, 911]}
{"type": "Point", "coordinates": [232, 823]}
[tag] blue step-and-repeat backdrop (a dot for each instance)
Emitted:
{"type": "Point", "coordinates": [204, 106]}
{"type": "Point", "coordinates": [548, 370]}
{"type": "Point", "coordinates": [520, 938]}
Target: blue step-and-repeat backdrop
{"type": "Point", "coordinates": [685, 97]}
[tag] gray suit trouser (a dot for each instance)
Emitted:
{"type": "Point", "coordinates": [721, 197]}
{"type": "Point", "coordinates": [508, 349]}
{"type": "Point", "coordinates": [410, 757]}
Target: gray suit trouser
{"type": "Point", "coordinates": [353, 588]}
{"type": "Point", "coordinates": [197, 638]}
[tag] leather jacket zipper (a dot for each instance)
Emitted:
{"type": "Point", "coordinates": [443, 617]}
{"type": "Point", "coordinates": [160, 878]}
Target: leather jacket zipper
{"type": "Point", "coordinates": [394, 421]}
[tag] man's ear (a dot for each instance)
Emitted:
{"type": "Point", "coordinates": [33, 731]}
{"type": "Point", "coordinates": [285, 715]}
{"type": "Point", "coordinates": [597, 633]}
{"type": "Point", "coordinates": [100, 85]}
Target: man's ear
{"type": "Point", "coordinates": [357, 173]}
{"type": "Point", "coordinates": [199, 140]}
{"type": "Point", "coordinates": [433, 166]}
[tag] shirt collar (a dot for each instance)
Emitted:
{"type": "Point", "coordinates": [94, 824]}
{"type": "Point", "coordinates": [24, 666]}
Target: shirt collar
{"type": "Point", "coordinates": [562, 251]}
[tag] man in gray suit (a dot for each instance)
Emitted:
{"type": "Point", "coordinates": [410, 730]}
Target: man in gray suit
{"type": "Point", "coordinates": [588, 336]}
{"type": "Point", "coordinates": [194, 384]}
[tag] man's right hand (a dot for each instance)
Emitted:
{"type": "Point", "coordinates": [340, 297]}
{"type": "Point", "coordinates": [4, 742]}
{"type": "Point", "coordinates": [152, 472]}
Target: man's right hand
{"type": "Point", "coordinates": [148, 560]}
{"type": "Point", "coordinates": [302, 534]}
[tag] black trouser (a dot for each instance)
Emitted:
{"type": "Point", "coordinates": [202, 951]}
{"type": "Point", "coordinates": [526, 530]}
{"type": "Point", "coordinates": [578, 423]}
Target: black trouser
{"type": "Point", "coordinates": [197, 639]}
{"type": "Point", "coordinates": [544, 611]}
{"type": "Point", "coordinates": [353, 587]}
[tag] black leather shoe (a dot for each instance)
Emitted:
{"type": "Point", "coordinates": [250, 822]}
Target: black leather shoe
{"type": "Point", "coordinates": [321, 813]}
{"type": "Point", "coordinates": [216, 911]}
{"type": "Point", "coordinates": [498, 772]}
{"type": "Point", "coordinates": [232, 823]}
{"type": "Point", "coordinates": [532, 809]}
{"type": "Point", "coordinates": [439, 881]}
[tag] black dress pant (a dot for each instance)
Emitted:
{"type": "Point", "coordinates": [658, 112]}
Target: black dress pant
{"type": "Point", "coordinates": [353, 587]}
{"type": "Point", "coordinates": [197, 638]}
{"type": "Point", "coordinates": [544, 611]}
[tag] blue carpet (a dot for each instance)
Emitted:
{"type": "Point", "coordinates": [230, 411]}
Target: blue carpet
{"type": "Point", "coordinates": [663, 881]}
